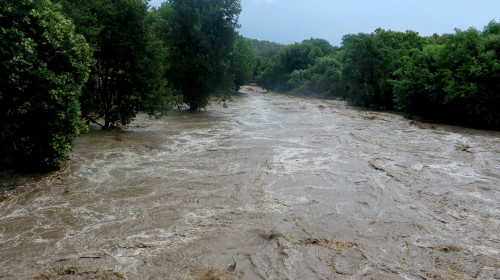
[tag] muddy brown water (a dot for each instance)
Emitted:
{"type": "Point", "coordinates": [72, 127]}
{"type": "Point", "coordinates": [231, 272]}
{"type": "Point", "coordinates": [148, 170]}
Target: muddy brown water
{"type": "Point", "coordinates": [290, 188]}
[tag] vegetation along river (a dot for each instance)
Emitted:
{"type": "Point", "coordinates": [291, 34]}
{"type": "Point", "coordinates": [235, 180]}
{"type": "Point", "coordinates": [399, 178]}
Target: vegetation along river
{"type": "Point", "coordinates": [271, 187]}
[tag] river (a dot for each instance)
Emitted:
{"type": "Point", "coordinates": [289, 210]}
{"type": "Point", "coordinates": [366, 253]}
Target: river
{"type": "Point", "coordinates": [271, 187]}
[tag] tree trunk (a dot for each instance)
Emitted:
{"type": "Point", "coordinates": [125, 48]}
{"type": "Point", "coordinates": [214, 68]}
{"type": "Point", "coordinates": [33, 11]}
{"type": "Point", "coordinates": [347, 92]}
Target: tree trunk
{"type": "Point", "coordinates": [106, 123]}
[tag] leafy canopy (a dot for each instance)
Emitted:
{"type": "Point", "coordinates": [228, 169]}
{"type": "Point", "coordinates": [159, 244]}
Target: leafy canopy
{"type": "Point", "coordinates": [131, 61]}
{"type": "Point", "coordinates": [200, 35]}
{"type": "Point", "coordinates": [43, 67]}
{"type": "Point", "coordinates": [369, 62]}
{"type": "Point", "coordinates": [454, 79]}
{"type": "Point", "coordinates": [243, 62]}
{"type": "Point", "coordinates": [276, 74]}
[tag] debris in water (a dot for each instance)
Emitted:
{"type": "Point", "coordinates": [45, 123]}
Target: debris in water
{"type": "Point", "coordinates": [372, 165]}
{"type": "Point", "coordinates": [421, 125]}
{"type": "Point", "coordinates": [90, 257]}
{"type": "Point", "coordinates": [232, 267]}
{"type": "Point", "coordinates": [271, 235]}
{"type": "Point", "coordinates": [463, 148]}
{"type": "Point", "coordinates": [76, 272]}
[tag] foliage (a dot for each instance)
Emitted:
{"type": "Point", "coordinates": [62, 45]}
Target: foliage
{"type": "Point", "coordinates": [369, 63]}
{"type": "Point", "coordinates": [264, 48]}
{"type": "Point", "coordinates": [243, 62]}
{"type": "Point", "coordinates": [263, 51]}
{"type": "Point", "coordinates": [324, 77]}
{"type": "Point", "coordinates": [200, 35]}
{"type": "Point", "coordinates": [487, 110]}
{"type": "Point", "coordinates": [159, 97]}
{"type": "Point", "coordinates": [418, 85]}
{"type": "Point", "coordinates": [43, 67]}
{"type": "Point", "coordinates": [129, 74]}
{"type": "Point", "coordinates": [456, 81]}
{"type": "Point", "coordinates": [453, 77]}
{"type": "Point", "coordinates": [276, 73]}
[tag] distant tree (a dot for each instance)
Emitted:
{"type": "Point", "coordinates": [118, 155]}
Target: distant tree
{"type": "Point", "coordinates": [322, 47]}
{"type": "Point", "coordinates": [43, 67]}
{"type": "Point", "coordinates": [265, 48]}
{"type": "Point", "coordinates": [370, 61]}
{"type": "Point", "coordinates": [276, 73]}
{"type": "Point", "coordinates": [324, 77]}
{"type": "Point", "coordinates": [243, 62]}
{"type": "Point", "coordinates": [200, 35]}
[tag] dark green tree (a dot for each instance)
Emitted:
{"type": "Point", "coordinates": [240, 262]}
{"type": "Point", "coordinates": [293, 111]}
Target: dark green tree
{"type": "Point", "coordinates": [359, 66]}
{"type": "Point", "coordinates": [159, 97]}
{"type": "Point", "coordinates": [263, 51]}
{"type": "Point", "coordinates": [129, 74]}
{"type": "Point", "coordinates": [43, 67]}
{"type": "Point", "coordinates": [418, 84]}
{"type": "Point", "coordinates": [455, 79]}
{"type": "Point", "coordinates": [264, 48]}
{"type": "Point", "coordinates": [487, 109]}
{"type": "Point", "coordinates": [276, 73]}
{"type": "Point", "coordinates": [243, 62]}
{"type": "Point", "coordinates": [200, 35]}
{"type": "Point", "coordinates": [324, 78]}
{"type": "Point", "coordinates": [370, 61]}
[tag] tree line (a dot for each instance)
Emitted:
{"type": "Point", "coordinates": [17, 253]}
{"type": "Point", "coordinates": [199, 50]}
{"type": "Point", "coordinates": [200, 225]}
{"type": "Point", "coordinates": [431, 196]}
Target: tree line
{"type": "Point", "coordinates": [67, 63]}
{"type": "Point", "coordinates": [452, 78]}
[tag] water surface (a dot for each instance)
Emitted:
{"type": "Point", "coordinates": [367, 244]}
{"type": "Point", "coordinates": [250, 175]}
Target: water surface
{"type": "Point", "coordinates": [290, 188]}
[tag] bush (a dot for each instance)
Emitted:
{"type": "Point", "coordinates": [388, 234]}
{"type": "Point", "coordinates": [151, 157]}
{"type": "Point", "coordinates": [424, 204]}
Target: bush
{"type": "Point", "coordinates": [455, 80]}
{"type": "Point", "coordinates": [43, 66]}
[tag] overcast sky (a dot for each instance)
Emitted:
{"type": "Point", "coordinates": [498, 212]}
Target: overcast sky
{"type": "Point", "coordinates": [289, 21]}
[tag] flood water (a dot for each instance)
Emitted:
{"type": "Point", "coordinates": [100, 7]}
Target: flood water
{"type": "Point", "coordinates": [285, 187]}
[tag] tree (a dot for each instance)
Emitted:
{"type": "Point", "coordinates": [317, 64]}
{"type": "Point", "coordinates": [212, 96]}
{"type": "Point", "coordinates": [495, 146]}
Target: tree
{"type": "Point", "coordinates": [264, 48]}
{"type": "Point", "coordinates": [43, 67]}
{"type": "Point", "coordinates": [418, 83]}
{"type": "Point", "coordinates": [369, 63]}
{"type": "Point", "coordinates": [126, 50]}
{"type": "Point", "coordinates": [276, 73]}
{"type": "Point", "coordinates": [243, 62]}
{"type": "Point", "coordinates": [455, 79]}
{"type": "Point", "coordinates": [200, 35]}
{"type": "Point", "coordinates": [324, 77]}
{"type": "Point", "coordinates": [489, 59]}
{"type": "Point", "coordinates": [159, 97]}
{"type": "Point", "coordinates": [263, 51]}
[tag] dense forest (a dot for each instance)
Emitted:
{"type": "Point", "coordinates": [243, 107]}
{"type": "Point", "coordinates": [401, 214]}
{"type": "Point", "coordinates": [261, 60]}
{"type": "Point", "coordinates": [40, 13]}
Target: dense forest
{"type": "Point", "coordinates": [65, 64]}
{"type": "Point", "coordinates": [453, 78]}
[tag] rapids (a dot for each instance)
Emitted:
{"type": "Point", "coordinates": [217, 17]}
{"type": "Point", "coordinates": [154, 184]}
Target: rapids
{"type": "Point", "coordinates": [288, 187]}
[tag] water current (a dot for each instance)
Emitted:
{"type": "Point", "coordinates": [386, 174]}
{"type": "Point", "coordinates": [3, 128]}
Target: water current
{"type": "Point", "coordinates": [267, 187]}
